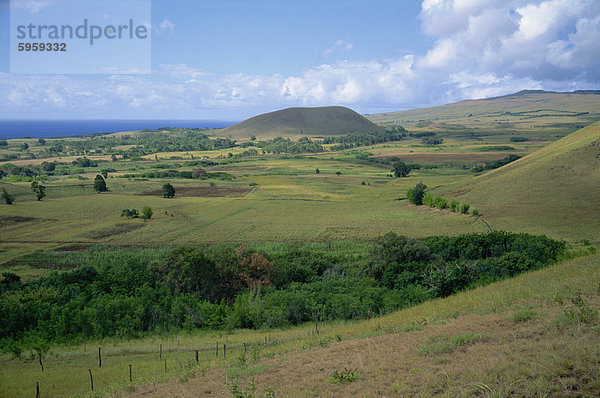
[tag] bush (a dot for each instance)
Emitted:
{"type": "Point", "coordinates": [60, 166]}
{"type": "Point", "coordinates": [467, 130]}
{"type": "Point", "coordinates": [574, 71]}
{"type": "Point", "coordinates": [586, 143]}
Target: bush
{"type": "Point", "coordinates": [415, 195]}
{"type": "Point", "coordinates": [100, 184]}
{"type": "Point", "coordinates": [428, 200]}
{"type": "Point", "coordinates": [133, 213]}
{"type": "Point", "coordinates": [168, 190]}
{"type": "Point", "coordinates": [440, 202]}
{"type": "Point", "coordinates": [464, 208]}
{"type": "Point", "coordinates": [39, 190]}
{"type": "Point", "coordinates": [454, 205]}
{"type": "Point", "coordinates": [8, 198]}
{"type": "Point", "coordinates": [475, 212]}
{"type": "Point", "coordinates": [147, 212]}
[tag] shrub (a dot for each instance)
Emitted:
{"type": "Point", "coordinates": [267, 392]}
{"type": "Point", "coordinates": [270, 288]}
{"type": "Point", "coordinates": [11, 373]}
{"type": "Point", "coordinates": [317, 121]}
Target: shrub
{"type": "Point", "coordinates": [415, 195]}
{"type": "Point", "coordinates": [168, 190]}
{"type": "Point", "coordinates": [429, 200]}
{"type": "Point", "coordinates": [453, 205]}
{"type": "Point", "coordinates": [39, 190]}
{"type": "Point", "coordinates": [8, 197]}
{"type": "Point", "coordinates": [475, 212]}
{"type": "Point", "coordinates": [441, 203]}
{"type": "Point", "coordinates": [344, 376]}
{"type": "Point", "coordinates": [464, 208]}
{"type": "Point", "coordinates": [147, 212]}
{"type": "Point", "coordinates": [100, 184]}
{"type": "Point", "coordinates": [133, 213]}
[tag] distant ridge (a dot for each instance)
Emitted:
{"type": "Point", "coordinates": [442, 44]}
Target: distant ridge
{"type": "Point", "coordinates": [322, 121]}
{"type": "Point", "coordinates": [525, 111]}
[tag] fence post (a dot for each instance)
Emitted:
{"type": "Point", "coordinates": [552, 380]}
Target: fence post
{"type": "Point", "coordinates": [91, 379]}
{"type": "Point", "coordinates": [196, 356]}
{"type": "Point", "coordinates": [99, 357]}
{"type": "Point", "coordinates": [165, 365]}
{"type": "Point", "coordinates": [160, 352]}
{"type": "Point", "coordinates": [224, 351]}
{"type": "Point", "coordinates": [130, 378]}
{"type": "Point", "coordinates": [37, 389]}
{"type": "Point", "coordinates": [217, 350]}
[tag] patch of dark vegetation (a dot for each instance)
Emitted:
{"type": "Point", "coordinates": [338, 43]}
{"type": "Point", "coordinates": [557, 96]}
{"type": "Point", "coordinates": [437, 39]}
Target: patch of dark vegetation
{"type": "Point", "coordinates": [116, 229]}
{"type": "Point", "coordinates": [72, 247]}
{"type": "Point", "coordinates": [193, 174]}
{"type": "Point", "coordinates": [494, 148]}
{"type": "Point", "coordinates": [135, 292]}
{"type": "Point", "coordinates": [204, 192]}
{"type": "Point", "coordinates": [7, 221]}
{"type": "Point", "coordinates": [498, 163]}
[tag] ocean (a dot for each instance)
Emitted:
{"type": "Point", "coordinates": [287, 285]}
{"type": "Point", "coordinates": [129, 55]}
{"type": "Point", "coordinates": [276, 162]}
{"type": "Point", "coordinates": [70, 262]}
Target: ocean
{"type": "Point", "coordinates": [63, 128]}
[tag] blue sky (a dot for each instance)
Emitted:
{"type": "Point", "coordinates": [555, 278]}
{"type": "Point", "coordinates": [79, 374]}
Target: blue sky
{"type": "Point", "coordinates": [233, 59]}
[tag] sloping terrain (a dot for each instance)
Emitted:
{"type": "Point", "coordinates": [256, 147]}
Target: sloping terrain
{"type": "Point", "coordinates": [554, 191]}
{"type": "Point", "coordinates": [534, 335]}
{"type": "Point", "coordinates": [527, 111]}
{"type": "Point", "coordinates": [329, 120]}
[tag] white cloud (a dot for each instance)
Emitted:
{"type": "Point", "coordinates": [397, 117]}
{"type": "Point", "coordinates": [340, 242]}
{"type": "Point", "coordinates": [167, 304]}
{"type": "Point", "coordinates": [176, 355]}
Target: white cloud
{"type": "Point", "coordinates": [338, 46]}
{"type": "Point", "coordinates": [33, 6]}
{"type": "Point", "coordinates": [166, 26]}
{"type": "Point", "coordinates": [481, 48]}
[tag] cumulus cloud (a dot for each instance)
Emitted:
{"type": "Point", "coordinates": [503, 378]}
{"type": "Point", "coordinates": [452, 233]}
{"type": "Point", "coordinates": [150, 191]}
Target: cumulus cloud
{"type": "Point", "coordinates": [33, 6]}
{"type": "Point", "coordinates": [481, 48]}
{"type": "Point", "coordinates": [166, 26]}
{"type": "Point", "coordinates": [338, 46]}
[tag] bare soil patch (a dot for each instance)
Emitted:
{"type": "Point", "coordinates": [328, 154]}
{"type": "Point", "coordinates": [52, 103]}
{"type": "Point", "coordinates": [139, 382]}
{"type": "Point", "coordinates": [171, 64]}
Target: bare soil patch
{"type": "Point", "coordinates": [203, 192]}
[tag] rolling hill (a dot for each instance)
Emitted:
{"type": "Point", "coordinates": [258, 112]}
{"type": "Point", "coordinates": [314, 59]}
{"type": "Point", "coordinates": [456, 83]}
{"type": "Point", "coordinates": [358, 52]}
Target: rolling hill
{"type": "Point", "coordinates": [329, 120]}
{"type": "Point", "coordinates": [555, 190]}
{"type": "Point", "coordinates": [528, 111]}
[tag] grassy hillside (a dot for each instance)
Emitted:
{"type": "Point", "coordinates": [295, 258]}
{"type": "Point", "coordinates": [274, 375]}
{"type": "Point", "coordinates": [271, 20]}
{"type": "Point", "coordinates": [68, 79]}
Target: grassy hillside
{"type": "Point", "coordinates": [330, 120]}
{"type": "Point", "coordinates": [537, 113]}
{"type": "Point", "coordinates": [555, 190]}
{"type": "Point", "coordinates": [534, 335]}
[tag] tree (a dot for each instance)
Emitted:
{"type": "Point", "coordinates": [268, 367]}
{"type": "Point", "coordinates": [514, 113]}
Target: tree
{"type": "Point", "coordinates": [168, 190]}
{"type": "Point", "coordinates": [41, 142]}
{"type": "Point", "coordinates": [113, 158]}
{"type": "Point", "coordinates": [104, 174]}
{"type": "Point", "coordinates": [24, 146]}
{"type": "Point", "coordinates": [3, 143]}
{"type": "Point", "coordinates": [317, 171]}
{"type": "Point", "coordinates": [100, 184]}
{"type": "Point", "coordinates": [147, 212]}
{"type": "Point", "coordinates": [415, 195]}
{"type": "Point", "coordinates": [39, 190]}
{"type": "Point", "coordinates": [339, 173]}
{"type": "Point", "coordinates": [401, 169]}
{"type": "Point", "coordinates": [8, 198]}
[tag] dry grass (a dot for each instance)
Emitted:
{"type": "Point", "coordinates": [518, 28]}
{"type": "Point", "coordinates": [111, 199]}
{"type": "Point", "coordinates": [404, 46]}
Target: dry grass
{"type": "Point", "coordinates": [474, 344]}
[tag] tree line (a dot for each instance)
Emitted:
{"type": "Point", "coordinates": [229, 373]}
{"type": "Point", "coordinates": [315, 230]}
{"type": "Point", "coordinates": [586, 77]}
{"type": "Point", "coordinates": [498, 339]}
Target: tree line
{"type": "Point", "coordinates": [223, 287]}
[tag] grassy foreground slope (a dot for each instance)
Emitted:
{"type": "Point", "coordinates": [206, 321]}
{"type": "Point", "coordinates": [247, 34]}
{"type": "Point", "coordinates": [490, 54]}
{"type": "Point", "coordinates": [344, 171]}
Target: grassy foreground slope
{"type": "Point", "coordinates": [534, 335]}
{"type": "Point", "coordinates": [554, 191]}
{"type": "Point", "coordinates": [529, 111]}
{"type": "Point", "coordinates": [328, 120]}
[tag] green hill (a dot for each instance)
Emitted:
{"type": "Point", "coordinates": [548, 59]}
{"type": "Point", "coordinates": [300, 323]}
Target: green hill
{"type": "Point", "coordinates": [555, 190]}
{"type": "Point", "coordinates": [329, 120]}
{"type": "Point", "coordinates": [528, 111]}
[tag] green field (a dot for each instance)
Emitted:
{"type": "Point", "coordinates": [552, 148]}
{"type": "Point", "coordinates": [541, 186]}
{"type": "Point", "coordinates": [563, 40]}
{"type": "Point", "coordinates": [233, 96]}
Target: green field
{"type": "Point", "coordinates": [534, 335]}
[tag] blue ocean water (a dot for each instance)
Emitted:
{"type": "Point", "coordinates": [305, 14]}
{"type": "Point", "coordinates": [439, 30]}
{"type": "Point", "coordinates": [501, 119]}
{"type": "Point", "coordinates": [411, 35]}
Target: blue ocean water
{"type": "Point", "coordinates": [62, 128]}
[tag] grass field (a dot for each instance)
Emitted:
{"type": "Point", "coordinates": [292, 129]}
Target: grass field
{"type": "Point", "coordinates": [535, 335]}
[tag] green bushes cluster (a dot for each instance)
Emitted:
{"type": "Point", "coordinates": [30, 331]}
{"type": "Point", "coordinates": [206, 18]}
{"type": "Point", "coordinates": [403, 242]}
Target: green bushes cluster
{"type": "Point", "coordinates": [228, 287]}
{"type": "Point", "coordinates": [417, 196]}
